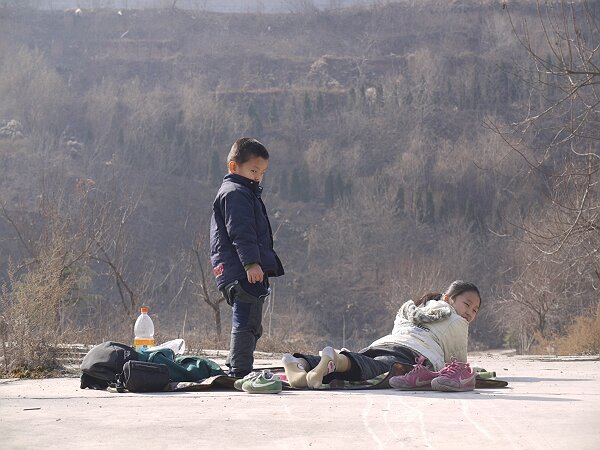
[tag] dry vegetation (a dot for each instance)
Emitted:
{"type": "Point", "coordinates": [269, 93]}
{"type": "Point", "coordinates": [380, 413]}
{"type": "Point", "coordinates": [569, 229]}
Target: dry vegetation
{"type": "Point", "coordinates": [384, 181]}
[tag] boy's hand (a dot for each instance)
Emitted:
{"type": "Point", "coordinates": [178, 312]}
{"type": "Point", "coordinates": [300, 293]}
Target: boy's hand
{"type": "Point", "coordinates": [254, 273]}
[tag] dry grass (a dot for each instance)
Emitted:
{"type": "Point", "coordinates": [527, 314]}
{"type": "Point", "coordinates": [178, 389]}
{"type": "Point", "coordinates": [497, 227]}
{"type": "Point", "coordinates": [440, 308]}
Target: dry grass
{"type": "Point", "coordinates": [582, 337]}
{"type": "Point", "coordinates": [30, 318]}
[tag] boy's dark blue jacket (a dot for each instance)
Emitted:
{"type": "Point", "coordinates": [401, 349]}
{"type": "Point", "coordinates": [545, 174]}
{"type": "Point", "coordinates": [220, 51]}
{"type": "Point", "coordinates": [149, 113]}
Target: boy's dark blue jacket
{"type": "Point", "coordinates": [240, 232]}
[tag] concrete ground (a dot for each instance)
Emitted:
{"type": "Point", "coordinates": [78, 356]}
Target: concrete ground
{"type": "Point", "coordinates": [550, 403]}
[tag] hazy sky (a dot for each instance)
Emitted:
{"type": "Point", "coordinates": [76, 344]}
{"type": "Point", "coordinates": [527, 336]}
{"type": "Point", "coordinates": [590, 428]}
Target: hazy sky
{"type": "Point", "coordinates": [269, 6]}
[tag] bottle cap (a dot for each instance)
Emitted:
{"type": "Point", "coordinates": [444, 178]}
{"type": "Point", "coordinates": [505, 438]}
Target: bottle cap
{"type": "Point", "coordinates": [144, 310]}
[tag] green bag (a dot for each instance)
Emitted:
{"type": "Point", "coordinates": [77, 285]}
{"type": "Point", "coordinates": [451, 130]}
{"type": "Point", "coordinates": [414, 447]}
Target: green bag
{"type": "Point", "coordinates": [183, 367]}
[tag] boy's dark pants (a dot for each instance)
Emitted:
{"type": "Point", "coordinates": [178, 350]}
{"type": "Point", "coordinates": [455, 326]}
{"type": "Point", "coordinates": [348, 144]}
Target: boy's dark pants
{"type": "Point", "coordinates": [246, 327]}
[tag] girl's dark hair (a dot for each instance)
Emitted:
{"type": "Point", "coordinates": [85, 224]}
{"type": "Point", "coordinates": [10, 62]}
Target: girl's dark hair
{"type": "Point", "coordinates": [245, 148]}
{"type": "Point", "coordinates": [429, 296]}
{"type": "Point", "coordinates": [456, 288]}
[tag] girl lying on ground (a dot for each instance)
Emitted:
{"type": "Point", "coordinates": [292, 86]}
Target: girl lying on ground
{"type": "Point", "coordinates": [432, 331]}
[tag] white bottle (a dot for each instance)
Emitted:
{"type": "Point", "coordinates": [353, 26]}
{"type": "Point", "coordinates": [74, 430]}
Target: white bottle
{"type": "Point", "coordinates": [143, 330]}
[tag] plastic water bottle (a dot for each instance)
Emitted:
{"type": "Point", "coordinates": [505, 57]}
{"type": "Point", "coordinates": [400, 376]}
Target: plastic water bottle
{"type": "Point", "coordinates": [143, 330]}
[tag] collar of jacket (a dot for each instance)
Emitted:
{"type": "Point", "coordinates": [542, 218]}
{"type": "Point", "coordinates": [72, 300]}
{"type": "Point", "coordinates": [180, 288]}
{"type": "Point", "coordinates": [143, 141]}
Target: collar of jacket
{"type": "Point", "coordinates": [250, 184]}
{"type": "Point", "coordinates": [432, 311]}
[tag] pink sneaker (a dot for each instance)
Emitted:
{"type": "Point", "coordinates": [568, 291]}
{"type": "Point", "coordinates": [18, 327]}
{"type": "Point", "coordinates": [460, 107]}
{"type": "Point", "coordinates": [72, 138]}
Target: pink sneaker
{"type": "Point", "coordinates": [418, 378]}
{"type": "Point", "coordinates": [456, 377]}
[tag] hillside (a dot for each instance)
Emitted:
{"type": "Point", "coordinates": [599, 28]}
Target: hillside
{"type": "Point", "coordinates": [383, 184]}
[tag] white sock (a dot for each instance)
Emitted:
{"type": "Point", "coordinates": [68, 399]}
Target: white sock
{"type": "Point", "coordinates": [295, 370]}
{"type": "Point", "coordinates": [314, 378]}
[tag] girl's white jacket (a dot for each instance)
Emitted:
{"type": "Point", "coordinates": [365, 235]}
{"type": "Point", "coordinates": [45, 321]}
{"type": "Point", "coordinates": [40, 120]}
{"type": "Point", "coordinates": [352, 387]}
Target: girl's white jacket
{"type": "Point", "coordinates": [433, 330]}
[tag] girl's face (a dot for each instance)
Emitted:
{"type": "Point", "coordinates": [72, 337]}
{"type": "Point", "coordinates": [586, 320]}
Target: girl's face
{"type": "Point", "coordinates": [466, 304]}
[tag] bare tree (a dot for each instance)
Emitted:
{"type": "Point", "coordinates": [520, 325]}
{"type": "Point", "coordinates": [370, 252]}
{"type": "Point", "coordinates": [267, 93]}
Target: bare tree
{"type": "Point", "coordinates": [301, 6]}
{"type": "Point", "coordinates": [42, 281]}
{"type": "Point", "coordinates": [532, 308]}
{"type": "Point", "coordinates": [559, 136]}
{"type": "Point", "coordinates": [113, 242]}
{"type": "Point", "coordinates": [200, 5]}
{"type": "Point", "coordinates": [205, 293]}
{"type": "Point", "coordinates": [19, 4]}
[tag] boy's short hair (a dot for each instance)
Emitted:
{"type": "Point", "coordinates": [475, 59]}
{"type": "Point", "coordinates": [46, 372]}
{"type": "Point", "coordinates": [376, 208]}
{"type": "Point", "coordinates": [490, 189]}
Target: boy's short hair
{"type": "Point", "coordinates": [245, 148]}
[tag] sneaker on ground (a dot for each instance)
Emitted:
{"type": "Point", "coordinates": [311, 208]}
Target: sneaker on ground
{"type": "Point", "coordinates": [239, 382]}
{"type": "Point", "coordinates": [419, 378]}
{"type": "Point", "coordinates": [265, 383]}
{"type": "Point", "coordinates": [455, 377]}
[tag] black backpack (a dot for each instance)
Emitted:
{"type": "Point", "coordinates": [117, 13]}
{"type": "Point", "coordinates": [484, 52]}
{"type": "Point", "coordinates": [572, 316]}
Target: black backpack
{"type": "Point", "coordinates": [141, 376]}
{"type": "Point", "coordinates": [103, 363]}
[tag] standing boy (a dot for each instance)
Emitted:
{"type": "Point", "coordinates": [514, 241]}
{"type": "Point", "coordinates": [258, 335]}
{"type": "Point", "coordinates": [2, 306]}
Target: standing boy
{"type": "Point", "coordinates": [241, 246]}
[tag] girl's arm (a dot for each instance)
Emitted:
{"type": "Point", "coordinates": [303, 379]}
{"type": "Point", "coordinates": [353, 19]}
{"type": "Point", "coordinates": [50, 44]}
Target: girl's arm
{"type": "Point", "coordinates": [454, 338]}
{"type": "Point", "coordinates": [404, 315]}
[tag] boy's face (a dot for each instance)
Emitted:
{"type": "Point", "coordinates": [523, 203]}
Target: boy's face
{"type": "Point", "coordinates": [253, 169]}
